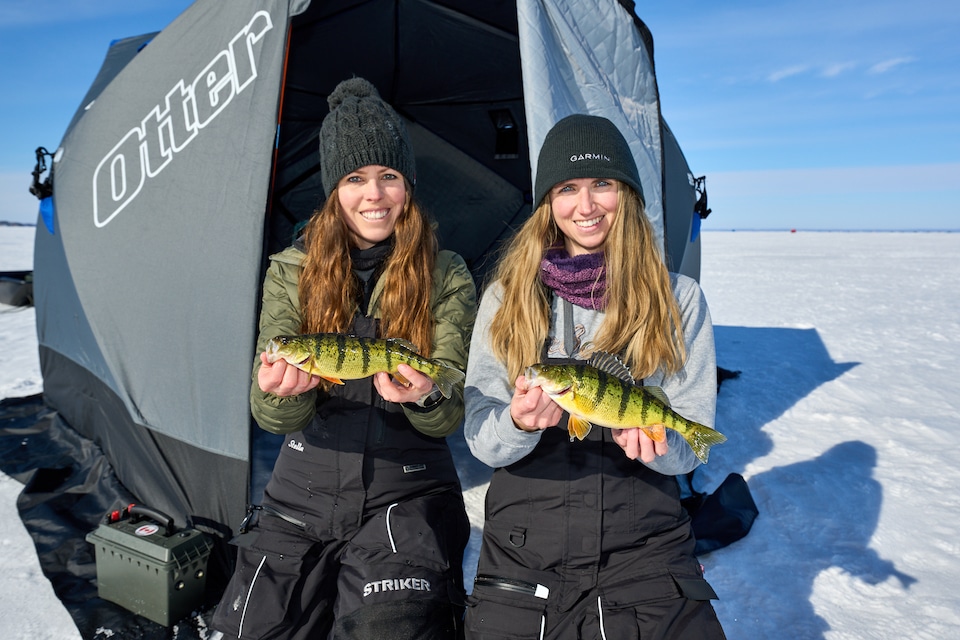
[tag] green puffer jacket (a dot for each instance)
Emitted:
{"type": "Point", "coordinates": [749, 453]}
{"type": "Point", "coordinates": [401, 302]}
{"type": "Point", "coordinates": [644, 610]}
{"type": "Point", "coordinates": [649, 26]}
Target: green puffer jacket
{"type": "Point", "coordinates": [454, 300]}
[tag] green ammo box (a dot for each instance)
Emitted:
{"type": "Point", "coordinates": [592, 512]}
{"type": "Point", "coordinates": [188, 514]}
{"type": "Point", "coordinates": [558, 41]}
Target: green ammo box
{"type": "Point", "coordinates": [149, 567]}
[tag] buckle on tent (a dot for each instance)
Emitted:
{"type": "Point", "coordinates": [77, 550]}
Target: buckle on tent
{"type": "Point", "coordinates": [700, 206]}
{"type": "Point", "coordinates": [41, 189]}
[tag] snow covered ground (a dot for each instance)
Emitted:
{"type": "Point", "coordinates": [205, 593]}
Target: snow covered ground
{"type": "Point", "coordinates": [845, 420]}
{"type": "Point", "coordinates": [28, 606]}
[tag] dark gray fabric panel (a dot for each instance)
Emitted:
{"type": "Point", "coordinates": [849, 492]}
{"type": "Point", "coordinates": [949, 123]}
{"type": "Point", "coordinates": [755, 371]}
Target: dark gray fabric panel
{"type": "Point", "coordinates": [679, 198]}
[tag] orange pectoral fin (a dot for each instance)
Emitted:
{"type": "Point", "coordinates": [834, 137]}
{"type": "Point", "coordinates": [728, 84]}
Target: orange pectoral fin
{"type": "Point", "coordinates": [577, 427]}
{"type": "Point", "coordinates": [656, 432]}
{"type": "Point", "coordinates": [332, 379]}
{"type": "Point", "coordinates": [399, 378]}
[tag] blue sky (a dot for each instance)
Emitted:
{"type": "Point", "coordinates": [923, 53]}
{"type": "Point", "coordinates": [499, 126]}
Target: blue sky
{"type": "Point", "coordinates": [813, 114]}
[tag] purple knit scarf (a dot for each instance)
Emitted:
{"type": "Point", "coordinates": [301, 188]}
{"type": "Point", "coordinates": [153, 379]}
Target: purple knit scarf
{"type": "Point", "coordinates": [581, 279]}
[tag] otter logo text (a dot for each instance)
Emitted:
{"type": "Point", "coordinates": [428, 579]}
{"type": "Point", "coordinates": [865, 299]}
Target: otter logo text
{"type": "Point", "coordinates": [145, 150]}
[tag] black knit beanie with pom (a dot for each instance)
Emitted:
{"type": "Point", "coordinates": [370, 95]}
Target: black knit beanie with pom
{"type": "Point", "coordinates": [361, 129]}
{"type": "Point", "coordinates": [583, 146]}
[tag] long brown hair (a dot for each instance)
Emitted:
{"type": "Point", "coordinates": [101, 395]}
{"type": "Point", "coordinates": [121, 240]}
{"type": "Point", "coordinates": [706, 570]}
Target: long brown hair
{"type": "Point", "coordinates": [642, 318]}
{"type": "Point", "coordinates": [329, 291]}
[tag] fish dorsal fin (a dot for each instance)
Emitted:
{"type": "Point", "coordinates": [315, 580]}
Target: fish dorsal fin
{"type": "Point", "coordinates": [611, 365]}
{"type": "Point", "coordinates": [659, 394]}
{"type": "Point", "coordinates": [406, 344]}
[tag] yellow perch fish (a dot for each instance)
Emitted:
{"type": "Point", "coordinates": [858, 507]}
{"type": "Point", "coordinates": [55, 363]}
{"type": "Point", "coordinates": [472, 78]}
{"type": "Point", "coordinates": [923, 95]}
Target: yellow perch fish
{"type": "Point", "coordinates": [337, 357]}
{"type": "Point", "coordinates": [592, 395]}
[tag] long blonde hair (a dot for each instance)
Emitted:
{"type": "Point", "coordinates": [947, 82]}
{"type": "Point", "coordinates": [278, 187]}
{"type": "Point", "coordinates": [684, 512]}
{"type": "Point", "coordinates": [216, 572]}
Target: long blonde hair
{"type": "Point", "coordinates": [329, 291]}
{"type": "Point", "coordinates": [642, 318]}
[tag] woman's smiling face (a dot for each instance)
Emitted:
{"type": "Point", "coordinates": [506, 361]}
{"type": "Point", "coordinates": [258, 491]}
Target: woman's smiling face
{"type": "Point", "coordinates": [372, 199]}
{"type": "Point", "coordinates": [584, 210]}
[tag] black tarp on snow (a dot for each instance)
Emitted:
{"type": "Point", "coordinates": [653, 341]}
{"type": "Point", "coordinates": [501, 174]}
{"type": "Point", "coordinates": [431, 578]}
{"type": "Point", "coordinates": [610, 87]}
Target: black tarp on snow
{"type": "Point", "coordinates": [194, 155]}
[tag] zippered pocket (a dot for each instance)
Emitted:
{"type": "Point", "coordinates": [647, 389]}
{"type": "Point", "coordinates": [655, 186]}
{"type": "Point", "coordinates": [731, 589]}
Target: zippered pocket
{"type": "Point", "coordinates": [501, 608]}
{"type": "Point", "coordinates": [516, 586]}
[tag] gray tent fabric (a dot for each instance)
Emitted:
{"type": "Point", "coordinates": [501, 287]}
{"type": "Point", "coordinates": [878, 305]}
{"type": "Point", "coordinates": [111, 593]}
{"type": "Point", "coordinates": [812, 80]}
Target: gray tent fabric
{"type": "Point", "coordinates": [160, 192]}
{"type": "Point", "coordinates": [119, 53]}
{"type": "Point", "coordinates": [194, 156]}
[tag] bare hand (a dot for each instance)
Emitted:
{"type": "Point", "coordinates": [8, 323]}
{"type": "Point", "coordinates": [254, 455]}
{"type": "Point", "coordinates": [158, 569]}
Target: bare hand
{"type": "Point", "coordinates": [283, 379]}
{"type": "Point", "coordinates": [636, 444]}
{"type": "Point", "coordinates": [394, 391]}
{"type": "Point", "coordinates": [532, 409]}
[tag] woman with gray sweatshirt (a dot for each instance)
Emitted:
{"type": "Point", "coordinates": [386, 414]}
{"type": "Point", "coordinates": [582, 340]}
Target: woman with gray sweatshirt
{"type": "Point", "coordinates": [587, 539]}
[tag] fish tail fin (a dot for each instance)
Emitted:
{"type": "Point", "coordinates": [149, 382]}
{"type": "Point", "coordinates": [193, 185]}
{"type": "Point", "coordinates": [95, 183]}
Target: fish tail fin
{"type": "Point", "coordinates": [577, 427]}
{"type": "Point", "coordinates": [701, 438]}
{"type": "Point", "coordinates": [447, 378]}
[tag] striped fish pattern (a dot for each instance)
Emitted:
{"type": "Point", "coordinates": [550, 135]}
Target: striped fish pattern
{"type": "Point", "coordinates": [337, 357]}
{"type": "Point", "coordinates": [599, 394]}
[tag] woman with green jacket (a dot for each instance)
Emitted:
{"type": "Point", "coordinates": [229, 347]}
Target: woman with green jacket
{"type": "Point", "coordinates": [362, 528]}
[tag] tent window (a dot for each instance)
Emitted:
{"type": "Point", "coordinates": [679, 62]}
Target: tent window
{"type": "Point", "coordinates": [507, 145]}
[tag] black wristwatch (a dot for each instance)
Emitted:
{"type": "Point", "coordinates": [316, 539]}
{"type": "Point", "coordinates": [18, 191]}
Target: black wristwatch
{"type": "Point", "coordinates": [431, 399]}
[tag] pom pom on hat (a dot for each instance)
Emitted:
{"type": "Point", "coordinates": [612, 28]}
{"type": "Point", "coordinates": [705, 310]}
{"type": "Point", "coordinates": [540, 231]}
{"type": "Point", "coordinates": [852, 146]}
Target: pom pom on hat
{"type": "Point", "coordinates": [353, 88]}
{"type": "Point", "coordinates": [361, 129]}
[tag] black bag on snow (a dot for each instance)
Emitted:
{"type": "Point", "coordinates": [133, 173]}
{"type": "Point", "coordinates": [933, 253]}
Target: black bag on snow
{"type": "Point", "coordinates": [722, 517]}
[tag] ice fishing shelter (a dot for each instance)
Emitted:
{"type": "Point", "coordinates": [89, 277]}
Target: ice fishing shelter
{"type": "Point", "coordinates": [195, 154]}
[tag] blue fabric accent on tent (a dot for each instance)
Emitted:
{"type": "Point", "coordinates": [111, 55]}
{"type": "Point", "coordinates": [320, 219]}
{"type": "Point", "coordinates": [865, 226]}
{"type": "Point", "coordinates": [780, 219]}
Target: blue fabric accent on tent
{"type": "Point", "coordinates": [46, 212]}
{"type": "Point", "coordinates": [139, 49]}
{"type": "Point", "coordinates": [695, 227]}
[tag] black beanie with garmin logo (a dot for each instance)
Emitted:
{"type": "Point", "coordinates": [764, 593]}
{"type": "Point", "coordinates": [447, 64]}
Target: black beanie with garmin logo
{"type": "Point", "coordinates": [584, 146]}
